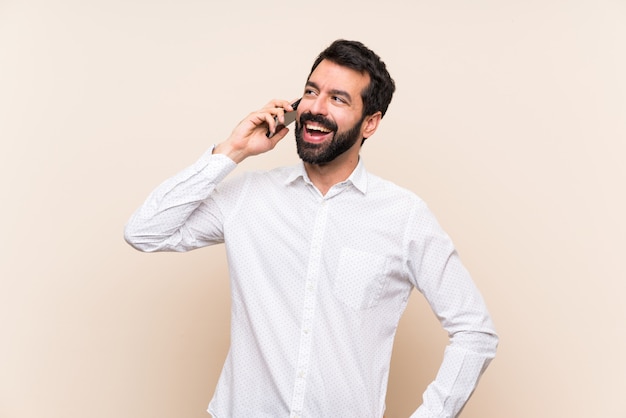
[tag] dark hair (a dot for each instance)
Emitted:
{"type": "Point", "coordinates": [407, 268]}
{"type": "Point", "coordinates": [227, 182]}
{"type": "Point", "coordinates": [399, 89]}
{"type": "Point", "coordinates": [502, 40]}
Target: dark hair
{"type": "Point", "coordinates": [356, 56]}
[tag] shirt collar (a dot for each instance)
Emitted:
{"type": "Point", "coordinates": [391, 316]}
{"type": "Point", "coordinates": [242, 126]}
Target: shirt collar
{"type": "Point", "coordinates": [358, 178]}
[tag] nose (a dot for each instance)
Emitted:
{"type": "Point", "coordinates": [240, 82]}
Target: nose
{"type": "Point", "coordinates": [318, 106]}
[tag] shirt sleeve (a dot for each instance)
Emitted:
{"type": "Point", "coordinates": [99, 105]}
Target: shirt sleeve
{"type": "Point", "coordinates": [181, 213]}
{"type": "Point", "coordinates": [437, 272]}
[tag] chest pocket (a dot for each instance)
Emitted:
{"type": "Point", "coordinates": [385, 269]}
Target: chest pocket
{"type": "Point", "coordinates": [361, 278]}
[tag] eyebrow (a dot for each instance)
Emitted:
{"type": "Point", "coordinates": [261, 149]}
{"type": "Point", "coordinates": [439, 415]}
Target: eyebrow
{"type": "Point", "coordinates": [334, 92]}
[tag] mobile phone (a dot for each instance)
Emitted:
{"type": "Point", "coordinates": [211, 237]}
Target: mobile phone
{"type": "Point", "coordinates": [289, 118]}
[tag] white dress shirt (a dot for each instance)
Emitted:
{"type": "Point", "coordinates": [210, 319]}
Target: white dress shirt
{"type": "Point", "coordinates": [318, 285]}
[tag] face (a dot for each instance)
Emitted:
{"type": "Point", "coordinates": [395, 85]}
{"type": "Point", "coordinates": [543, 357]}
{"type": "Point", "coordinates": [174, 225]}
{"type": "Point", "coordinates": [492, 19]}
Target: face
{"type": "Point", "coordinates": [325, 151]}
{"type": "Point", "coordinates": [330, 121]}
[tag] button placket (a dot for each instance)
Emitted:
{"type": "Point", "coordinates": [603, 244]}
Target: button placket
{"type": "Point", "coordinates": [308, 310]}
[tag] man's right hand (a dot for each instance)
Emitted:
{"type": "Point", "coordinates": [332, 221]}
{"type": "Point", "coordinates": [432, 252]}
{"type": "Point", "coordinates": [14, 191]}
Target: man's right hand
{"type": "Point", "coordinates": [250, 136]}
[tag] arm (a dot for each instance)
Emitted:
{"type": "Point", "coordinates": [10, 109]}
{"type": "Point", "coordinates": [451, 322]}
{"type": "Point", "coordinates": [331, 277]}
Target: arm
{"type": "Point", "coordinates": [181, 213]}
{"type": "Point", "coordinates": [439, 274]}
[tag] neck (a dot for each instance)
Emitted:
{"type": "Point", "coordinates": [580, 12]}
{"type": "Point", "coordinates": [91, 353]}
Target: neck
{"type": "Point", "coordinates": [325, 176]}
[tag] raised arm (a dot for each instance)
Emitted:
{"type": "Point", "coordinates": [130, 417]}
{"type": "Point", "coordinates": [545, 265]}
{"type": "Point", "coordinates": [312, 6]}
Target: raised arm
{"type": "Point", "coordinates": [182, 214]}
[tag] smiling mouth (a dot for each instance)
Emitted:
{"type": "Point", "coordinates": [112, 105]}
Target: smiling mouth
{"type": "Point", "coordinates": [316, 132]}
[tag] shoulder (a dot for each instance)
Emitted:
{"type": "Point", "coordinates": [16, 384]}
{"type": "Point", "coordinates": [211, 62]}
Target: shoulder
{"type": "Point", "coordinates": [379, 187]}
{"type": "Point", "coordinates": [397, 204]}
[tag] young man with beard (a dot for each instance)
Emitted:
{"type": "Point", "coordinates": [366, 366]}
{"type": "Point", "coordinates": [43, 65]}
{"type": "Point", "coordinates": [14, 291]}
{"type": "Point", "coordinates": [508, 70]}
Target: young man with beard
{"type": "Point", "coordinates": [322, 257]}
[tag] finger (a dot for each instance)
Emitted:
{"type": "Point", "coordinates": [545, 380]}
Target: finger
{"type": "Point", "coordinates": [279, 115]}
{"type": "Point", "coordinates": [280, 134]}
{"type": "Point", "coordinates": [278, 103]}
{"type": "Point", "coordinates": [265, 116]}
{"type": "Point", "coordinates": [276, 108]}
{"type": "Point", "coordinates": [293, 102]}
{"type": "Point", "coordinates": [278, 120]}
{"type": "Point", "coordinates": [279, 107]}
{"type": "Point", "coordinates": [272, 122]}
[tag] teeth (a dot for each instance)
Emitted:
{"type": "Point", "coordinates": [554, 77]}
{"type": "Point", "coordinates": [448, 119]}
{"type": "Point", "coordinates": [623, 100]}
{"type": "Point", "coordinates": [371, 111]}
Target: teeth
{"type": "Point", "coordinates": [317, 128]}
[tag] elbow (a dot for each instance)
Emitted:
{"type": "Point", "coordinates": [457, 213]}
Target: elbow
{"type": "Point", "coordinates": [484, 342]}
{"type": "Point", "coordinates": [143, 239]}
{"type": "Point", "coordinates": [131, 237]}
{"type": "Point", "coordinates": [492, 343]}
{"type": "Point", "coordinates": [487, 341]}
{"type": "Point", "coordinates": [135, 239]}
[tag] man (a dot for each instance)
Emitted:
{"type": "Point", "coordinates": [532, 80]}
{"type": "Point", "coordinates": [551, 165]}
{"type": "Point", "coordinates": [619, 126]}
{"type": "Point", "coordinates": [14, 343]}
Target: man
{"type": "Point", "coordinates": [322, 257]}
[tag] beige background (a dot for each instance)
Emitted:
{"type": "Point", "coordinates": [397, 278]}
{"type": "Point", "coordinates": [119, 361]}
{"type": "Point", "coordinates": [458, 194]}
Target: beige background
{"type": "Point", "coordinates": [509, 120]}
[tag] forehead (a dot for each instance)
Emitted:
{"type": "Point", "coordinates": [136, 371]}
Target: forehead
{"type": "Point", "coordinates": [329, 76]}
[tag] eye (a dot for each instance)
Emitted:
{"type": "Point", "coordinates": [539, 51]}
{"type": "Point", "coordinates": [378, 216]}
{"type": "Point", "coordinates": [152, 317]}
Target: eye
{"type": "Point", "coordinates": [339, 99]}
{"type": "Point", "coordinates": [309, 92]}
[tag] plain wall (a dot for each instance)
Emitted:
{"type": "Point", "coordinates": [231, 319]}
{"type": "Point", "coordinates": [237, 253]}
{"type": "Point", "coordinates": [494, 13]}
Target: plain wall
{"type": "Point", "coordinates": [509, 120]}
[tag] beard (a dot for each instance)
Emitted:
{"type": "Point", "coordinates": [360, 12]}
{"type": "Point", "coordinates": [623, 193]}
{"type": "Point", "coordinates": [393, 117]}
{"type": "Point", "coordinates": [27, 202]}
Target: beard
{"type": "Point", "coordinates": [325, 152]}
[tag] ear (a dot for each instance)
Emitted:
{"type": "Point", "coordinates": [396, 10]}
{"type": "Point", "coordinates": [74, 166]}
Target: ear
{"type": "Point", "coordinates": [370, 124]}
